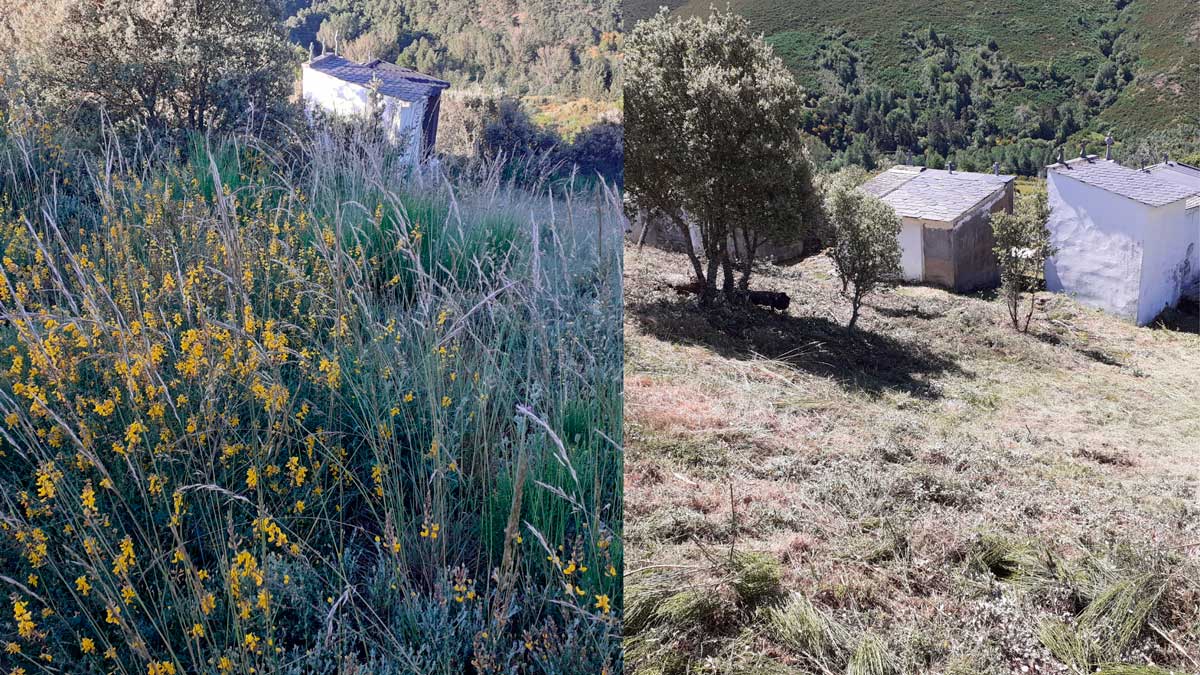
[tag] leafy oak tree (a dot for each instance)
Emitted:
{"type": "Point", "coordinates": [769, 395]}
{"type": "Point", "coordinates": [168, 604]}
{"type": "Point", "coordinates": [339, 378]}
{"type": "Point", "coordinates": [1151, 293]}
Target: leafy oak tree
{"type": "Point", "coordinates": [863, 232]}
{"type": "Point", "coordinates": [163, 63]}
{"type": "Point", "coordinates": [712, 139]}
{"type": "Point", "coordinates": [1022, 247]}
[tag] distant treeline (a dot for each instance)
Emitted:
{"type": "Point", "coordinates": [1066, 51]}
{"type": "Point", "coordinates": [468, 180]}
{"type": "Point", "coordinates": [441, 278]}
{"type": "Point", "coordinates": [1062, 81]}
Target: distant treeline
{"type": "Point", "coordinates": [964, 103]}
{"type": "Point", "coordinates": [175, 67]}
{"type": "Point", "coordinates": [560, 47]}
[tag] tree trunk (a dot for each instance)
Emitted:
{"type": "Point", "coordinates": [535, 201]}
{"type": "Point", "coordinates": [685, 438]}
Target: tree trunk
{"type": "Point", "coordinates": [748, 262]}
{"type": "Point", "coordinates": [855, 304]}
{"type": "Point", "coordinates": [1029, 314]}
{"type": "Point", "coordinates": [687, 245]}
{"type": "Point", "coordinates": [710, 278]}
{"type": "Point", "coordinates": [728, 286]}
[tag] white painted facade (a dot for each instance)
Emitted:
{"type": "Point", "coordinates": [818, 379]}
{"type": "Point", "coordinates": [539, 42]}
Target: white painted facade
{"type": "Point", "coordinates": [912, 250]}
{"type": "Point", "coordinates": [1126, 257]}
{"type": "Point", "coordinates": [402, 119]}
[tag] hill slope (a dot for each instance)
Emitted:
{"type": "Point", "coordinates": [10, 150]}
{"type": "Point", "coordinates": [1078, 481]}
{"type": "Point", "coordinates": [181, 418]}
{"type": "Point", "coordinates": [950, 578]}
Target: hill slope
{"type": "Point", "coordinates": [938, 486]}
{"type": "Point", "coordinates": [1052, 56]}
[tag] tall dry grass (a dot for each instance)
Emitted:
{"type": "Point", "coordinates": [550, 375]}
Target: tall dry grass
{"type": "Point", "coordinates": [300, 408]}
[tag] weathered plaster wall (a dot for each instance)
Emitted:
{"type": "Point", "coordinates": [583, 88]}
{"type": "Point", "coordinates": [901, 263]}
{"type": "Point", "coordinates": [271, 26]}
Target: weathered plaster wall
{"type": "Point", "coordinates": [1170, 258]}
{"type": "Point", "coordinates": [402, 118]}
{"type": "Point", "coordinates": [954, 255]}
{"type": "Point", "coordinates": [332, 94]}
{"type": "Point", "coordinates": [1098, 236]}
{"type": "Point", "coordinates": [938, 251]}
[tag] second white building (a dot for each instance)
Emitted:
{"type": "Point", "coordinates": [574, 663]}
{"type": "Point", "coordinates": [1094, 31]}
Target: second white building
{"type": "Point", "coordinates": [407, 102]}
{"type": "Point", "coordinates": [1128, 239]}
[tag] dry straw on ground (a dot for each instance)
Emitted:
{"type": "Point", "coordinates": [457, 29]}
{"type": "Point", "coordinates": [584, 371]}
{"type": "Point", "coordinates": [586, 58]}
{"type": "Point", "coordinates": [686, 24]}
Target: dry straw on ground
{"type": "Point", "coordinates": [939, 494]}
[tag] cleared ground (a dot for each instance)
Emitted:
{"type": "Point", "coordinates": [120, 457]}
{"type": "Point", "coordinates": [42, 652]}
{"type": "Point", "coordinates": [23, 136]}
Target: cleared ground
{"type": "Point", "coordinates": [934, 494]}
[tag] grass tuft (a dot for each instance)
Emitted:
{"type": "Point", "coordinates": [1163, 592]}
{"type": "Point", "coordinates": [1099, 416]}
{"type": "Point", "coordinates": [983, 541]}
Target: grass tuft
{"type": "Point", "coordinates": [801, 626]}
{"type": "Point", "coordinates": [872, 657]}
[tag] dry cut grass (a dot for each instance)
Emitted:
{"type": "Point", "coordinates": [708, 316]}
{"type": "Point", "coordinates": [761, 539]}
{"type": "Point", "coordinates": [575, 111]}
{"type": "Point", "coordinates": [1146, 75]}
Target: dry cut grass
{"type": "Point", "coordinates": [936, 495]}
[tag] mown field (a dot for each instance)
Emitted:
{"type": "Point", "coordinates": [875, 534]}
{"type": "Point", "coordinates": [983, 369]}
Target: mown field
{"type": "Point", "coordinates": [289, 406]}
{"type": "Point", "coordinates": [1027, 31]}
{"type": "Point", "coordinates": [938, 494]}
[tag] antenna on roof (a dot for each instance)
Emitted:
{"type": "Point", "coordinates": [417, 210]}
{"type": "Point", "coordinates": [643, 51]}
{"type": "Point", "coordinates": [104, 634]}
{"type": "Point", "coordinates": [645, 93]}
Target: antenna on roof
{"type": "Point", "coordinates": [996, 168]}
{"type": "Point", "coordinates": [1166, 158]}
{"type": "Point", "coordinates": [1108, 143]}
{"type": "Point", "coordinates": [950, 167]}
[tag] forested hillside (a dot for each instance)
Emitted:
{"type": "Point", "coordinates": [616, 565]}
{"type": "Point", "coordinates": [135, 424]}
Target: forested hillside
{"type": "Point", "coordinates": [537, 84]}
{"type": "Point", "coordinates": [976, 82]}
{"type": "Point", "coordinates": [563, 47]}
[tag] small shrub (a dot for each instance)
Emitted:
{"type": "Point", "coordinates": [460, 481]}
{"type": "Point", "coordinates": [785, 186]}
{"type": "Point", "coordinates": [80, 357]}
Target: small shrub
{"type": "Point", "coordinates": [864, 232]}
{"type": "Point", "coordinates": [1022, 247]}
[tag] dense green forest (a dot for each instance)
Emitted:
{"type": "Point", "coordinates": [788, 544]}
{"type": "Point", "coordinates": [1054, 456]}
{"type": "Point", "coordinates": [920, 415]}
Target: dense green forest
{"type": "Point", "coordinates": [974, 83]}
{"type": "Point", "coordinates": [562, 47]}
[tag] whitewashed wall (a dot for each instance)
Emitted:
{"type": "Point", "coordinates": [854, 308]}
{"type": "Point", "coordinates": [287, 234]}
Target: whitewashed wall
{"type": "Point", "coordinates": [332, 94]}
{"type": "Point", "coordinates": [1098, 236]}
{"type": "Point", "coordinates": [912, 250]}
{"type": "Point", "coordinates": [1170, 258]}
{"type": "Point", "coordinates": [402, 118]}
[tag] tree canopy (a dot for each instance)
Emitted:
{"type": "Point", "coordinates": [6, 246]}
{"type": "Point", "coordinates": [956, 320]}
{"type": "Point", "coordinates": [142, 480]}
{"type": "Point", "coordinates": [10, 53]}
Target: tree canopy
{"type": "Point", "coordinates": [164, 63]}
{"type": "Point", "coordinates": [713, 140]}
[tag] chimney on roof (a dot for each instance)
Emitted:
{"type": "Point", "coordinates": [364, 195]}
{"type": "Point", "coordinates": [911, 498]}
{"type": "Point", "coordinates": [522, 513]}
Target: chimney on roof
{"type": "Point", "coordinates": [1166, 158]}
{"type": "Point", "coordinates": [950, 167]}
{"type": "Point", "coordinates": [996, 168]}
{"type": "Point", "coordinates": [1083, 151]}
{"type": "Point", "coordinates": [1108, 143]}
{"type": "Point", "coordinates": [312, 51]}
{"type": "Point", "coordinates": [1059, 158]}
{"type": "Point", "coordinates": [335, 41]}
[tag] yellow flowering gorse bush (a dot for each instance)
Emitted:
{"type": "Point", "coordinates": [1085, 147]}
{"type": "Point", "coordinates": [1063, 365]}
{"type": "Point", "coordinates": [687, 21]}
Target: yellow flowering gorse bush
{"type": "Point", "coordinates": [252, 425]}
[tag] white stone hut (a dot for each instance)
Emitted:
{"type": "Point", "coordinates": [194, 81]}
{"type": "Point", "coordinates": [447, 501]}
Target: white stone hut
{"type": "Point", "coordinates": [946, 233]}
{"type": "Point", "coordinates": [1128, 239]}
{"type": "Point", "coordinates": [408, 102]}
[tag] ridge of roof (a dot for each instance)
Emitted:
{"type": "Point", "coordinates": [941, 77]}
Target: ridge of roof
{"type": "Point", "coordinates": [1140, 185]}
{"type": "Point", "coordinates": [394, 81]}
{"type": "Point", "coordinates": [934, 194]}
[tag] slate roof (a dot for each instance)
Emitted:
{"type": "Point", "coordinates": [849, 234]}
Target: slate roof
{"type": "Point", "coordinates": [1141, 185]}
{"type": "Point", "coordinates": [934, 194]}
{"type": "Point", "coordinates": [395, 81]}
{"type": "Point", "coordinates": [1177, 172]}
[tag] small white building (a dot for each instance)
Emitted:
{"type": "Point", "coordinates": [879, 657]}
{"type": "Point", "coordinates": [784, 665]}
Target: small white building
{"type": "Point", "coordinates": [408, 102]}
{"type": "Point", "coordinates": [946, 232]}
{"type": "Point", "coordinates": [1128, 239]}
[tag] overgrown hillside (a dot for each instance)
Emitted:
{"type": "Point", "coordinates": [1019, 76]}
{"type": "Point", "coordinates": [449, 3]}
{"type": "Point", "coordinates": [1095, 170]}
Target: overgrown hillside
{"type": "Point", "coordinates": [971, 77]}
{"type": "Point", "coordinates": [300, 409]}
